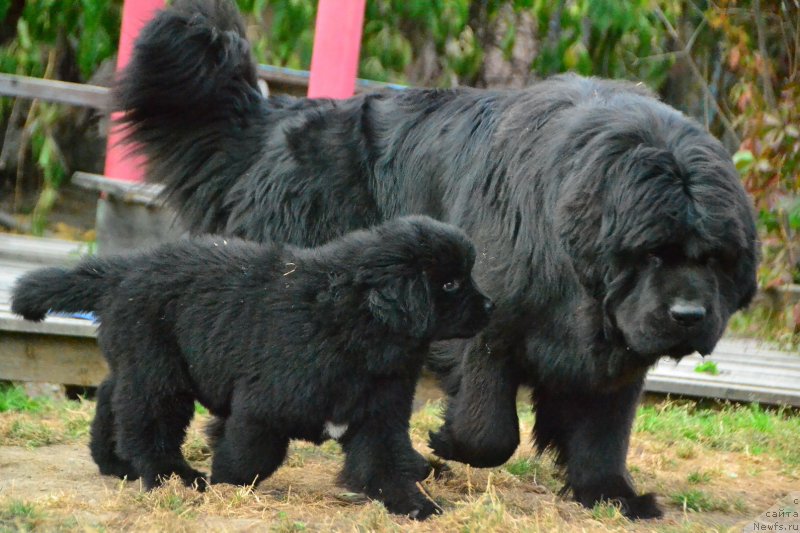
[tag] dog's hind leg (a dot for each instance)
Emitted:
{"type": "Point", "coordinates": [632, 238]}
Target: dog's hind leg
{"type": "Point", "coordinates": [103, 443]}
{"type": "Point", "coordinates": [153, 406]}
{"type": "Point", "coordinates": [246, 451]}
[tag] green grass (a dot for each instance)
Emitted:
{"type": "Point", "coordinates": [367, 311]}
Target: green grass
{"type": "Point", "coordinates": [287, 525]}
{"type": "Point", "coordinates": [740, 428]}
{"type": "Point", "coordinates": [18, 515]}
{"type": "Point", "coordinates": [34, 422]}
{"type": "Point", "coordinates": [697, 477]}
{"type": "Point", "coordinates": [14, 398]}
{"type": "Point", "coordinates": [523, 467]}
{"type": "Point", "coordinates": [698, 501]}
{"type": "Point", "coordinates": [33, 433]}
{"type": "Point", "coordinates": [605, 511]}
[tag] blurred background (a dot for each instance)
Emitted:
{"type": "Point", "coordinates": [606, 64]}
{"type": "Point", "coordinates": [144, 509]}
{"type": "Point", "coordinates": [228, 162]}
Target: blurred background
{"type": "Point", "coordinates": [730, 64]}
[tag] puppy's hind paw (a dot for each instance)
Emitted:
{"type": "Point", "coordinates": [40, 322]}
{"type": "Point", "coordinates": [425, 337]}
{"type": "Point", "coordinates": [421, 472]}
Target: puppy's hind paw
{"type": "Point", "coordinates": [195, 479]}
{"type": "Point", "coordinates": [640, 507]}
{"type": "Point", "coordinates": [412, 501]}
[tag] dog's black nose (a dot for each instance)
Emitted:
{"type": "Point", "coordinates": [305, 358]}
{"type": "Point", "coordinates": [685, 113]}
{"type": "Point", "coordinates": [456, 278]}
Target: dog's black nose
{"type": "Point", "coordinates": [488, 305]}
{"type": "Point", "coordinates": [687, 313]}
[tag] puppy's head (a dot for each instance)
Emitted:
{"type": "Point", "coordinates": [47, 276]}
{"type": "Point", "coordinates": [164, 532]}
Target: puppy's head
{"type": "Point", "coordinates": [418, 279]}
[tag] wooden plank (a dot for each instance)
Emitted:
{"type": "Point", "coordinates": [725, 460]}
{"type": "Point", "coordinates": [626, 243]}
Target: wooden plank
{"type": "Point", "coordinates": [51, 358]}
{"type": "Point", "coordinates": [55, 91]}
{"type": "Point", "coordinates": [38, 251]}
{"type": "Point", "coordinates": [749, 346]}
{"type": "Point", "coordinates": [280, 79]}
{"type": "Point", "coordinates": [748, 371]}
{"type": "Point", "coordinates": [705, 389]}
{"type": "Point", "coordinates": [129, 191]}
{"type": "Point", "coordinates": [52, 325]}
{"type": "Point", "coordinates": [298, 80]}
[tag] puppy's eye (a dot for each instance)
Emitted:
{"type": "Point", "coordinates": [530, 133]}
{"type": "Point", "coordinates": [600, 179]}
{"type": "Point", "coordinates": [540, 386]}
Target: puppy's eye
{"type": "Point", "coordinates": [655, 260]}
{"type": "Point", "coordinates": [451, 286]}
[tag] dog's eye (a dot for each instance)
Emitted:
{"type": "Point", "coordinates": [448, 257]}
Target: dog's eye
{"type": "Point", "coordinates": [451, 286]}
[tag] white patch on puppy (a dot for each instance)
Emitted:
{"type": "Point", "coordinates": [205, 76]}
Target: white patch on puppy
{"type": "Point", "coordinates": [335, 431]}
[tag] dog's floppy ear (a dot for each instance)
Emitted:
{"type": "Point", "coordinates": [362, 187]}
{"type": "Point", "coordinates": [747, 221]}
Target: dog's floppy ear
{"type": "Point", "coordinates": [403, 304]}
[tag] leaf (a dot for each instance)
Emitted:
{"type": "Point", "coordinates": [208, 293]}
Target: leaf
{"type": "Point", "coordinates": [743, 160]}
{"type": "Point", "coordinates": [707, 367]}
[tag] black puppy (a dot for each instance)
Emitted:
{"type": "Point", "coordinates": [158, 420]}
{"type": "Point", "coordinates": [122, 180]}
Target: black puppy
{"type": "Point", "coordinates": [278, 342]}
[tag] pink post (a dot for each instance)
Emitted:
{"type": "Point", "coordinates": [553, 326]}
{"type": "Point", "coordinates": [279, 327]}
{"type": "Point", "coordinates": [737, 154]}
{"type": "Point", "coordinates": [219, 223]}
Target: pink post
{"type": "Point", "coordinates": [135, 14]}
{"type": "Point", "coordinates": [337, 39]}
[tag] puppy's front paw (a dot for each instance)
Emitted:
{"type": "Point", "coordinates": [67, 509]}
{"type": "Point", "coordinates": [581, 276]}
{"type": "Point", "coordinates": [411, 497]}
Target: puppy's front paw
{"type": "Point", "coordinates": [441, 443]}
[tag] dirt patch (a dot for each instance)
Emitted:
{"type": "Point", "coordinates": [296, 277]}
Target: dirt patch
{"type": "Point", "coordinates": [57, 487]}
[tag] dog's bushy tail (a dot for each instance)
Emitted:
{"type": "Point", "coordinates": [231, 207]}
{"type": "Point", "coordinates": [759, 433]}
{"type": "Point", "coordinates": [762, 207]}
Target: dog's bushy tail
{"type": "Point", "coordinates": [188, 100]}
{"type": "Point", "coordinates": [75, 290]}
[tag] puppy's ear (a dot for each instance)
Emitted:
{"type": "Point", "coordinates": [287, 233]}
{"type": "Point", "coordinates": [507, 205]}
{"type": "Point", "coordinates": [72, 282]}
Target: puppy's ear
{"type": "Point", "coordinates": [403, 304]}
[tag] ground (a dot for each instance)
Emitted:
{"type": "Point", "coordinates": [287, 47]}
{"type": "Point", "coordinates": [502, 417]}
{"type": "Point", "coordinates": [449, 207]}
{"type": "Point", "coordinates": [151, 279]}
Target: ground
{"type": "Point", "coordinates": [715, 468]}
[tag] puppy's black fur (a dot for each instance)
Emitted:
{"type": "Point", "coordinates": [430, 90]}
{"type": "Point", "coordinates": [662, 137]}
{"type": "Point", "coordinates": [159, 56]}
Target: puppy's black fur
{"type": "Point", "coordinates": [611, 229]}
{"type": "Point", "coordinates": [277, 342]}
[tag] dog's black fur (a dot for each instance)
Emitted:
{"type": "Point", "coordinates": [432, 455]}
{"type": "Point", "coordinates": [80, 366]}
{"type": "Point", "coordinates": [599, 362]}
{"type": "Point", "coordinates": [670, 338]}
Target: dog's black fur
{"type": "Point", "coordinates": [611, 229]}
{"type": "Point", "coordinates": [277, 342]}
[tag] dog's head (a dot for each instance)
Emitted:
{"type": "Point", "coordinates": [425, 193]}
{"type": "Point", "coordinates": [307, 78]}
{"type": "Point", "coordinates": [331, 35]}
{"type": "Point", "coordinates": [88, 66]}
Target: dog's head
{"type": "Point", "coordinates": [658, 229]}
{"type": "Point", "coordinates": [417, 273]}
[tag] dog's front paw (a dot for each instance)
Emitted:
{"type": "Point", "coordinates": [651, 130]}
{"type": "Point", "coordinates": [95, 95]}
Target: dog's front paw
{"type": "Point", "coordinates": [485, 453]}
{"type": "Point", "coordinates": [618, 491]}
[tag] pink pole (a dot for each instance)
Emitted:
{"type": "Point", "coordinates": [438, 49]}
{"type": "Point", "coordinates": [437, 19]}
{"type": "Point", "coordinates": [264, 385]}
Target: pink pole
{"type": "Point", "coordinates": [135, 14]}
{"type": "Point", "coordinates": [337, 39]}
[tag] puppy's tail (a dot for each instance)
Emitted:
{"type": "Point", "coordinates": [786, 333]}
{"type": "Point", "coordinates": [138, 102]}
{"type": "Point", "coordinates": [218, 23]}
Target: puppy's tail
{"type": "Point", "coordinates": [61, 289]}
{"type": "Point", "coordinates": [189, 100]}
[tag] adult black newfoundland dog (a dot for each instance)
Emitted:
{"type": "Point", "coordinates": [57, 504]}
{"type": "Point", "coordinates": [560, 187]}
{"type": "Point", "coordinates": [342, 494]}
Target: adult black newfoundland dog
{"type": "Point", "coordinates": [610, 228]}
{"type": "Point", "coordinates": [278, 342]}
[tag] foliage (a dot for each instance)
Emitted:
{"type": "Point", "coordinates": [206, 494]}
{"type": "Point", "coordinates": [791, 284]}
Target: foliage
{"type": "Point", "coordinates": [606, 38]}
{"type": "Point", "coordinates": [14, 398]}
{"type": "Point", "coordinates": [762, 48]}
{"type": "Point", "coordinates": [610, 38]}
{"type": "Point", "coordinates": [281, 31]}
{"type": "Point", "coordinates": [58, 39]}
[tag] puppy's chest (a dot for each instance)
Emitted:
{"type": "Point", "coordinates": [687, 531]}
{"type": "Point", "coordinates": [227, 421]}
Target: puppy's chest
{"type": "Point", "coordinates": [345, 409]}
